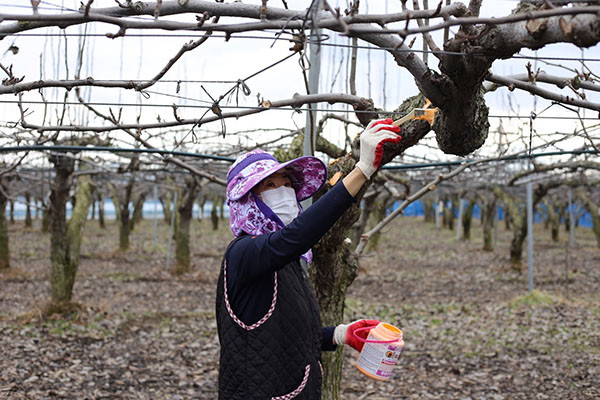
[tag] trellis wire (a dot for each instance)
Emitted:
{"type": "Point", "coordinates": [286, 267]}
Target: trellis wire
{"type": "Point", "coordinates": [290, 108]}
{"type": "Point", "coordinates": [58, 148]}
{"type": "Point", "coordinates": [337, 45]}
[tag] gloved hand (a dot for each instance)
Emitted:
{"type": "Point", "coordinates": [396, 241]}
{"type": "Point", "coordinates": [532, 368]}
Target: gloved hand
{"type": "Point", "coordinates": [344, 334]}
{"type": "Point", "coordinates": [372, 139]}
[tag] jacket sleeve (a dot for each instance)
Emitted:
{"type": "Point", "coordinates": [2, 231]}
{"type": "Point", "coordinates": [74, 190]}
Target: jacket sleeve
{"type": "Point", "coordinates": [327, 343]}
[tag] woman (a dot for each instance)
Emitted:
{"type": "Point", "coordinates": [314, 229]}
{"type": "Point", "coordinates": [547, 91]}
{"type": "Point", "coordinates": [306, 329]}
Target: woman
{"type": "Point", "coordinates": [267, 314]}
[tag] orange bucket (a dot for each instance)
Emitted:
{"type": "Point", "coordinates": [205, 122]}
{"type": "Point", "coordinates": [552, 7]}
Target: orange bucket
{"type": "Point", "coordinates": [381, 351]}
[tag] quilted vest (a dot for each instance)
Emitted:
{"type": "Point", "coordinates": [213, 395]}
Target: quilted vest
{"type": "Point", "coordinates": [278, 357]}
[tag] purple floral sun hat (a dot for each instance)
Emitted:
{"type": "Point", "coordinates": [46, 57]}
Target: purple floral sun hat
{"type": "Point", "coordinates": [306, 173]}
{"type": "Point", "coordinates": [250, 215]}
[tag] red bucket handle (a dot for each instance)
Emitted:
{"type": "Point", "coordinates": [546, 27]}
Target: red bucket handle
{"type": "Point", "coordinates": [371, 340]}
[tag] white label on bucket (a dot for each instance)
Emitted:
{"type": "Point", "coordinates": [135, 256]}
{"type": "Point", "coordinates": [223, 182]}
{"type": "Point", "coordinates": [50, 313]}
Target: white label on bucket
{"type": "Point", "coordinates": [379, 358]}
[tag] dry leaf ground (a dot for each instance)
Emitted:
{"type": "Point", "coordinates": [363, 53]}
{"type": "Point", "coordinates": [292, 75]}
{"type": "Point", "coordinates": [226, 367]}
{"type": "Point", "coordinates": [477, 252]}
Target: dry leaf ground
{"type": "Point", "coordinates": [471, 329]}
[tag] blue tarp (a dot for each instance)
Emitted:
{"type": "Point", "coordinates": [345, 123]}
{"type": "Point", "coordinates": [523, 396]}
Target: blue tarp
{"type": "Point", "coordinates": [416, 209]}
{"type": "Point", "coordinates": [413, 209]}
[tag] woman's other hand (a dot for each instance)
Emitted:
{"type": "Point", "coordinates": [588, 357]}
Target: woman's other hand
{"type": "Point", "coordinates": [344, 333]}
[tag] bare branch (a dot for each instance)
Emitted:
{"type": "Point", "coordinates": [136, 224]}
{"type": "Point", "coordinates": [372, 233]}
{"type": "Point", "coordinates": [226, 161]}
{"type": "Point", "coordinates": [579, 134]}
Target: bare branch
{"type": "Point", "coordinates": [559, 81]}
{"type": "Point", "coordinates": [358, 103]}
{"type": "Point", "coordinates": [398, 211]}
{"type": "Point", "coordinates": [531, 88]}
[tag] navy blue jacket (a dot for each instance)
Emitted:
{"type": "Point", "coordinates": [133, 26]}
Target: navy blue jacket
{"type": "Point", "coordinates": [252, 260]}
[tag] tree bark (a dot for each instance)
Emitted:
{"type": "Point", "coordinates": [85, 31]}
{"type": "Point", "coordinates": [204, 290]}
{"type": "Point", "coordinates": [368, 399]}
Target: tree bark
{"type": "Point", "coordinates": [553, 218]}
{"type": "Point", "coordinates": [138, 210]}
{"type": "Point", "coordinates": [93, 211]}
{"type": "Point", "coordinates": [60, 275]}
{"type": "Point", "coordinates": [182, 236]}
{"type": "Point", "coordinates": [488, 212]}
{"type": "Point", "coordinates": [428, 210]}
{"type": "Point", "coordinates": [65, 241]}
{"type": "Point", "coordinates": [100, 199]}
{"type": "Point", "coordinates": [4, 248]}
{"type": "Point", "coordinates": [335, 265]}
{"type": "Point", "coordinates": [165, 201]}
{"type": "Point", "coordinates": [11, 212]}
{"type": "Point", "coordinates": [28, 222]}
{"type": "Point", "coordinates": [121, 200]}
{"type": "Point", "coordinates": [214, 215]}
{"type": "Point", "coordinates": [518, 223]}
{"type": "Point", "coordinates": [467, 219]}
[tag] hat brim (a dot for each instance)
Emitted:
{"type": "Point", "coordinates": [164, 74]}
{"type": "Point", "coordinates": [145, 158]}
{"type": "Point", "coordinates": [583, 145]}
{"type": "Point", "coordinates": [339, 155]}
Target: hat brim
{"type": "Point", "coordinates": [307, 174]}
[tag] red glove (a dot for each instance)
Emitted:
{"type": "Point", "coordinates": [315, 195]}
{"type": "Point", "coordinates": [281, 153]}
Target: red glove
{"type": "Point", "coordinates": [344, 334]}
{"type": "Point", "coordinates": [372, 140]}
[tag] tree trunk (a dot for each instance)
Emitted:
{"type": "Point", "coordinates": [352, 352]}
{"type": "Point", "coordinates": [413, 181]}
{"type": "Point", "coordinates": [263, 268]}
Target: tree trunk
{"type": "Point", "coordinates": [12, 212]}
{"type": "Point", "coordinates": [138, 210]}
{"type": "Point", "coordinates": [335, 265]}
{"type": "Point", "coordinates": [553, 219]}
{"type": "Point", "coordinates": [428, 210]}
{"type": "Point", "coordinates": [65, 241]}
{"type": "Point", "coordinates": [467, 219]}
{"type": "Point", "coordinates": [221, 207]}
{"type": "Point", "coordinates": [100, 199]}
{"type": "Point", "coordinates": [4, 250]}
{"type": "Point", "coordinates": [93, 211]}
{"type": "Point", "coordinates": [201, 202]}
{"type": "Point", "coordinates": [45, 219]}
{"type": "Point", "coordinates": [28, 222]}
{"type": "Point", "coordinates": [60, 274]}
{"type": "Point", "coordinates": [182, 236]}
{"type": "Point", "coordinates": [121, 200]}
{"type": "Point", "coordinates": [214, 216]}
{"type": "Point", "coordinates": [518, 224]}
{"type": "Point", "coordinates": [507, 220]}
{"type": "Point", "coordinates": [333, 269]}
{"type": "Point", "coordinates": [488, 212]}
{"type": "Point", "coordinates": [165, 201]}
{"type": "Point", "coordinates": [449, 215]}
{"type": "Point", "coordinates": [124, 230]}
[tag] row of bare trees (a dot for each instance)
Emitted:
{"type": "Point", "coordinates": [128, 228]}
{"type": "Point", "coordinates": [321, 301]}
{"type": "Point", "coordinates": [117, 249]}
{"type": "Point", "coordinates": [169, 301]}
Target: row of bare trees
{"type": "Point", "coordinates": [72, 182]}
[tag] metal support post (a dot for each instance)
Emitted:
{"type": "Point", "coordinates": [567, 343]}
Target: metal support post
{"type": "Point", "coordinates": [310, 131]}
{"type": "Point", "coordinates": [461, 210]}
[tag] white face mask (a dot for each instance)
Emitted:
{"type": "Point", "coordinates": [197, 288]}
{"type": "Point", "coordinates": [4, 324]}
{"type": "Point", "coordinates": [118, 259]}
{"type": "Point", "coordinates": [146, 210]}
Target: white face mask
{"type": "Point", "coordinates": [282, 201]}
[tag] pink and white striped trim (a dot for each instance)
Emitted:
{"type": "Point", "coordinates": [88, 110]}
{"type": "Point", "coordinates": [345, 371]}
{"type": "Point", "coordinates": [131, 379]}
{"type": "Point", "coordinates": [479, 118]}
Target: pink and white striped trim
{"type": "Point", "coordinates": [235, 318]}
{"type": "Point", "coordinates": [299, 389]}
